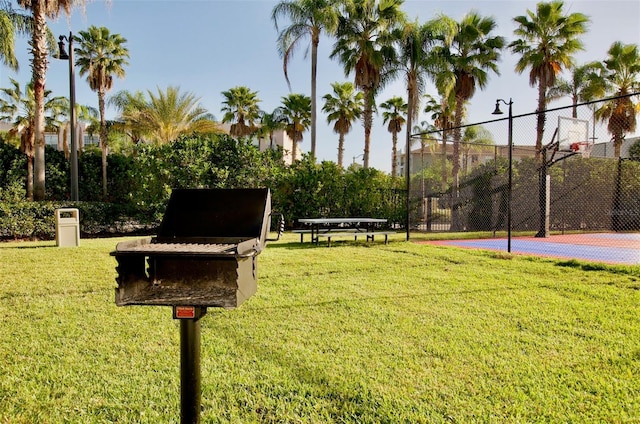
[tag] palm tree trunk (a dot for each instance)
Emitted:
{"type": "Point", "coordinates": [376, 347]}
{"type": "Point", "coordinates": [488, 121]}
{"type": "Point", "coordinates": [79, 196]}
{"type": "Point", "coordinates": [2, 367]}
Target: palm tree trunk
{"type": "Point", "coordinates": [340, 149]}
{"type": "Point", "coordinates": [39, 65]}
{"type": "Point", "coordinates": [394, 153]}
{"type": "Point", "coordinates": [443, 183]}
{"type": "Point", "coordinates": [455, 170]}
{"type": "Point", "coordinates": [30, 177]}
{"type": "Point", "coordinates": [368, 123]}
{"type": "Point", "coordinates": [542, 100]}
{"type": "Point", "coordinates": [314, 72]}
{"type": "Point", "coordinates": [103, 142]}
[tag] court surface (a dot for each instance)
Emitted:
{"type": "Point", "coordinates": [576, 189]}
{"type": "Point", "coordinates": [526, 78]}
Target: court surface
{"type": "Point", "coordinates": [612, 248]}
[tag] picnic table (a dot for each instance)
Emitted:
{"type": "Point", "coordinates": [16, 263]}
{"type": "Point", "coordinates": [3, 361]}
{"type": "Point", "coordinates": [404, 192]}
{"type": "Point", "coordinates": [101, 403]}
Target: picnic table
{"type": "Point", "coordinates": [342, 227]}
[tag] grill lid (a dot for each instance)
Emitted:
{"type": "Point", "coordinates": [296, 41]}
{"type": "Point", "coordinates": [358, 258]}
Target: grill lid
{"type": "Point", "coordinates": [216, 213]}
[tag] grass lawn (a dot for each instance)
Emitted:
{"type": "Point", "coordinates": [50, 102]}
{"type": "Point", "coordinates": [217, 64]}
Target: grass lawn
{"type": "Point", "coordinates": [355, 333]}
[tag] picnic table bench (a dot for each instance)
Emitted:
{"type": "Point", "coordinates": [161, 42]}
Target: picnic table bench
{"type": "Point", "coordinates": [330, 228]}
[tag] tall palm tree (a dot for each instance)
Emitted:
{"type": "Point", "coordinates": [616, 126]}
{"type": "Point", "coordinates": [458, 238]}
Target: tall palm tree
{"type": "Point", "coordinates": [308, 19]}
{"type": "Point", "coordinates": [167, 115]}
{"type": "Point", "coordinates": [343, 108]}
{"type": "Point", "coordinates": [584, 85]}
{"type": "Point", "coordinates": [40, 11]}
{"type": "Point", "coordinates": [240, 107]}
{"type": "Point", "coordinates": [11, 24]}
{"type": "Point", "coordinates": [546, 41]}
{"type": "Point", "coordinates": [442, 113]}
{"type": "Point", "coordinates": [417, 61]}
{"type": "Point", "coordinates": [363, 46]}
{"type": "Point", "coordinates": [295, 112]}
{"type": "Point", "coordinates": [101, 56]}
{"type": "Point", "coordinates": [472, 54]}
{"type": "Point", "coordinates": [621, 77]}
{"type": "Point", "coordinates": [393, 115]}
{"type": "Point", "coordinates": [18, 108]}
{"type": "Point", "coordinates": [474, 138]}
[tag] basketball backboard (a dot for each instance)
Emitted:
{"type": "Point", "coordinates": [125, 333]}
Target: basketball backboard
{"type": "Point", "coordinates": [573, 136]}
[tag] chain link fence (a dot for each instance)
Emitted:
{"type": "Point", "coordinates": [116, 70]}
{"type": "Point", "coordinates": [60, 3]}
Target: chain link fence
{"type": "Point", "coordinates": [580, 180]}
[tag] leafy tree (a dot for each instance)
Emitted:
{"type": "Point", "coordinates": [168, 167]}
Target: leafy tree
{"type": "Point", "coordinates": [308, 19]}
{"type": "Point", "coordinates": [546, 41]}
{"type": "Point", "coordinates": [394, 110]}
{"type": "Point", "coordinates": [240, 107]}
{"type": "Point", "coordinates": [295, 112]}
{"type": "Point", "coordinates": [342, 108]}
{"type": "Point", "coordinates": [621, 71]}
{"type": "Point", "coordinates": [18, 107]}
{"type": "Point", "coordinates": [364, 46]}
{"type": "Point", "coordinates": [41, 10]}
{"type": "Point", "coordinates": [101, 56]}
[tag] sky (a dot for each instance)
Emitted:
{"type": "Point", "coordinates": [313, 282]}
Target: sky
{"type": "Point", "coordinates": [208, 46]}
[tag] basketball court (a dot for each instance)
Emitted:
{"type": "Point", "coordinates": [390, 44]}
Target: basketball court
{"type": "Point", "coordinates": [611, 248]}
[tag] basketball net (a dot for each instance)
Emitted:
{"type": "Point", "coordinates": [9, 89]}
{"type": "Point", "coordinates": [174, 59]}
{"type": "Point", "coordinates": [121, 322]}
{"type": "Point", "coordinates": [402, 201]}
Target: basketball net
{"type": "Point", "coordinates": [583, 148]}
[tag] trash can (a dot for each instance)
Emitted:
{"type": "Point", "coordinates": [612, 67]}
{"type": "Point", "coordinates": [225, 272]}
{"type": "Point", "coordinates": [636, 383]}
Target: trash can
{"type": "Point", "coordinates": [67, 227]}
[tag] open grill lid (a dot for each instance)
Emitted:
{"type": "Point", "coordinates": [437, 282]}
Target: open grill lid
{"type": "Point", "coordinates": [216, 216]}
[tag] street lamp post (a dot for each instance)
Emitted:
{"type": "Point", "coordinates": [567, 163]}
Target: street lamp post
{"type": "Point", "coordinates": [72, 100]}
{"type": "Point", "coordinates": [497, 111]}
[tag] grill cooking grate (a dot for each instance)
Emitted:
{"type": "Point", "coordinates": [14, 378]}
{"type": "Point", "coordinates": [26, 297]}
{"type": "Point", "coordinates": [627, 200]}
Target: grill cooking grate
{"type": "Point", "coordinates": [184, 248]}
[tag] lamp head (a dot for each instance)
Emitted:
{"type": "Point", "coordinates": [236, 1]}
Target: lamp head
{"type": "Point", "coordinates": [497, 111]}
{"type": "Point", "coordinates": [62, 50]}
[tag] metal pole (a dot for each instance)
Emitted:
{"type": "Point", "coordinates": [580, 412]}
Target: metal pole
{"type": "Point", "coordinates": [510, 188]}
{"type": "Point", "coordinates": [74, 147]}
{"type": "Point", "coordinates": [190, 371]}
{"type": "Point", "coordinates": [408, 177]}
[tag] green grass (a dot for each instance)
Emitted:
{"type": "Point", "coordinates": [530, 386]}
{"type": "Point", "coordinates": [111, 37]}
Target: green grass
{"type": "Point", "coordinates": [355, 333]}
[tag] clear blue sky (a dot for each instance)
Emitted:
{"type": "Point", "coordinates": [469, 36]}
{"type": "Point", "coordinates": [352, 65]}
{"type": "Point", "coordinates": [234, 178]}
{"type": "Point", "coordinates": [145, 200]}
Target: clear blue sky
{"type": "Point", "coordinates": [209, 46]}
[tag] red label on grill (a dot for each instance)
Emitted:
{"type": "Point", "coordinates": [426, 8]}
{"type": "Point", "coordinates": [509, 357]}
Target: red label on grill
{"type": "Point", "coordinates": [184, 312]}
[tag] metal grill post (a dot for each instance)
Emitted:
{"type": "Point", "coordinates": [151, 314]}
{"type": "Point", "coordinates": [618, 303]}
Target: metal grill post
{"type": "Point", "coordinates": [190, 390]}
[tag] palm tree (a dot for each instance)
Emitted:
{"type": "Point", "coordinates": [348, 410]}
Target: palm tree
{"type": "Point", "coordinates": [11, 24]}
{"type": "Point", "coordinates": [167, 115]}
{"type": "Point", "coordinates": [101, 56]}
{"type": "Point", "coordinates": [130, 105]}
{"type": "Point", "coordinates": [40, 11]}
{"type": "Point", "coordinates": [584, 85]}
{"type": "Point", "coordinates": [343, 110]}
{"type": "Point", "coordinates": [18, 107]}
{"type": "Point", "coordinates": [308, 19]}
{"type": "Point", "coordinates": [241, 109]}
{"type": "Point", "coordinates": [295, 112]}
{"type": "Point", "coordinates": [269, 124]}
{"type": "Point", "coordinates": [364, 46]}
{"type": "Point", "coordinates": [442, 113]}
{"type": "Point", "coordinates": [417, 60]}
{"type": "Point", "coordinates": [621, 78]}
{"type": "Point", "coordinates": [394, 110]}
{"type": "Point", "coordinates": [474, 138]}
{"type": "Point", "coordinates": [546, 41]}
{"type": "Point", "coordinates": [472, 54]}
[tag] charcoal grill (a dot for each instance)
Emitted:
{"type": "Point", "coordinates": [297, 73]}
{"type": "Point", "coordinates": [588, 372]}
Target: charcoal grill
{"type": "Point", "coordinates": [204, 255]}
{"type": "Point", "coordinates": [205, 252]}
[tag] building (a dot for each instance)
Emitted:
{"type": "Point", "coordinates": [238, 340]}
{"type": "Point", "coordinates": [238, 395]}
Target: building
{"type": "Point", "coordinates": [471, 156]}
